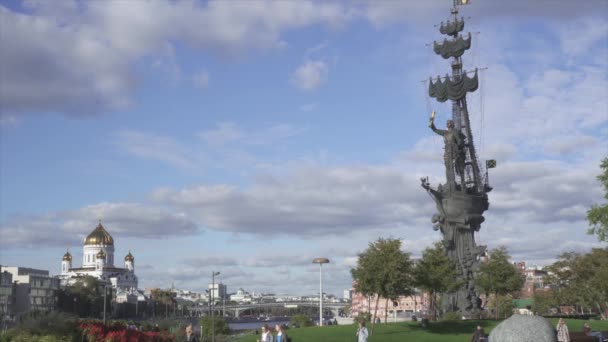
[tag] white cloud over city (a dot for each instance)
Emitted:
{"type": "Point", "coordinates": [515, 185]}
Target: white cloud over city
{"type": "Point", "coordinates": [223, 178]}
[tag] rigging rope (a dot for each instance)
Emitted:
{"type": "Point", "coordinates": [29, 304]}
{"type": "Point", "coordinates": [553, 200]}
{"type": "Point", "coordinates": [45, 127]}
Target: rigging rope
{"type": "Point", "coordinates": [482, 113]}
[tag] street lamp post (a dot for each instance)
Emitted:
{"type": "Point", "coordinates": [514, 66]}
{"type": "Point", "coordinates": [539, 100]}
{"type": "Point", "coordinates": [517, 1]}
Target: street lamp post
{"type": "Point", "coordinates": [320, 261]}
{"type": "Point", "coordinates": [213, 274]}
{"type": "Point", "coordinates": [105, 291]}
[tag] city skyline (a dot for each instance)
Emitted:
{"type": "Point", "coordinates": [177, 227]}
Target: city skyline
{"type": "Point", "coordinates": [252, 137]}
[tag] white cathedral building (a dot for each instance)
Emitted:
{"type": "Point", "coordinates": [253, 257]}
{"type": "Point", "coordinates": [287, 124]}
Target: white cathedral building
{"type": "Point", "coordinates": [98, 261]}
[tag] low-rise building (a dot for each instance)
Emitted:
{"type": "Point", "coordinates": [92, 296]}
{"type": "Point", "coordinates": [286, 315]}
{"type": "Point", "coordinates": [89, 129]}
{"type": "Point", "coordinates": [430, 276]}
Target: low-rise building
{"type": "Point", "coordinates": [241, 296]}
{"type": "Point", "coordinates": [534, 279]}
{"type": "Point", "coordinates": [35, 290]}
{"type": "Point", "coordinates": [217, 291]}
{"type": "Point", "coordinates": [7, 295]}
{"type": "Point", "coordinates": [404, 305]}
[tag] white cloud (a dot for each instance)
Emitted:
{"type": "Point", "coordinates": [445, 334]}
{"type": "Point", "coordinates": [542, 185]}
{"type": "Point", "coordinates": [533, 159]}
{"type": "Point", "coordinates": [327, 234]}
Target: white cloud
{"type": "Point", "coordinates": [156, 147]}
{"type": "Point", "coordinates": [309, 107]}
{"type": "Point", "coordinates": [230, 133]}
{"type": "Point", "coordinates": [7, 120]}
{"type": "Point", "coordinates": [310, 75]}
{"type": "Point", "coordinates": [383, 13]}
{"type": "Point", "coordinates": [201, 79]}
{"type": "Point", "coordinates": [225, 133]}
{"type": "Point", "coordinates": [51, 54]}
{"type": "Point", "coordinates": [52, 66]}
{"type": "Point", "coordinates": [568, 144]}
{"type": "Point", "coordinates": [308, 201]}
{"type": "Point", "coordinates": [65, 228]}
{"type": "Point", "coordinates": [580, 37]}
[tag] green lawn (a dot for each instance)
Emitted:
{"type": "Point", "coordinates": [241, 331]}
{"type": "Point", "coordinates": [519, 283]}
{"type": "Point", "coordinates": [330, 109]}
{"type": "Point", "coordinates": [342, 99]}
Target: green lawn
{"type": "Point", "coordinates": [409, 331]}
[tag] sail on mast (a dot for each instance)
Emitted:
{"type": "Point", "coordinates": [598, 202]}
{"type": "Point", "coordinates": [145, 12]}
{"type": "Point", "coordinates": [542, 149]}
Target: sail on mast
{"type": "Point", "coordinates": [455, 87]}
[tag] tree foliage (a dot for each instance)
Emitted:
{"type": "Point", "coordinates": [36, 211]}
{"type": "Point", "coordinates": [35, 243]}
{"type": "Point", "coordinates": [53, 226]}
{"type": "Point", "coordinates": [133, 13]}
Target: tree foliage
{"type": "Point", "coordinates": [598, 214]}
{"type": "Point", "coordinates": [221, 326]}
{"type": "Point", "coordinates": [544, 302]}
{"type": "Point", "coordinates": [504, 305]}
{"type": "Point", "coordinates": [164, 302]}
{"type": "Point", "coordinates": [580, 279]}
{"type": "Point", "coordinates": [301, 320]}
{"type": "Point", "coordinates": [435, 273]}
{"type": "Point", "coordinates": [384, 270]}
{"type": "Point", "coordinates": [498, 276]}
{"type": "Point", "coordinates": [84, 297]}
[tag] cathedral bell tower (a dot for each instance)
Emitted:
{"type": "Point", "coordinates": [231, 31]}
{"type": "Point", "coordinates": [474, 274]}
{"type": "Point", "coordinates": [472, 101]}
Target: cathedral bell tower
{"type": "Point", "coordinates": [66, 262]}
{"type": "Point", "coordinates": [130, 262]}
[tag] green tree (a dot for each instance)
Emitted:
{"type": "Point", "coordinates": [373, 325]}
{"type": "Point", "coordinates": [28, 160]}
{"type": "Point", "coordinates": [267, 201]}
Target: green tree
{"type": "Point", "coordinates": [164, 301]}
{"type": "Point", "coordinates": [221, 326]}
{"type": "Point", "coordinates": [301, 320]}
{"type": "Point", "coordinates": [580, 279]}
{"type": "Point", "coordinates": [384, 270]}
{"type": "Point", "coordinates": [436, 274]}
{"type": "Point", "coordinates": [505, 305]}
{"type": "Point", "coordinates": [84, 297]}
{"type": "Point", "coordinates": [598, 214]}
{"type": "Point", "coordinates": [543, 302]}
{"type": "Point", "coordinates": [498, 276]}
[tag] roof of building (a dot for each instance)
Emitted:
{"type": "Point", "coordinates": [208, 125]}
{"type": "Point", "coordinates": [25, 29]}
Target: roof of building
{"type": "Point", "coordinates": [99, 236]}
{"type": "Point", "coordinates": [101, 254]}
{"type": "Point", "coordinates": [129, 257]}
{"type": "Point", "coordinates": [523, 303]}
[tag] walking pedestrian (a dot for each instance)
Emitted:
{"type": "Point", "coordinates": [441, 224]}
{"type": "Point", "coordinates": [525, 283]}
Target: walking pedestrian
{"type": "Point", "coordinates": [190, 336]}
{"type": "Point", "coordinates": [362, 333]}
{"type": "Point", "coordinates": [281, 335]}
{"type": "Point", "coordinates": [562, 331]}
{"type": "Point", "coordinates": [598, 334]}
{"type": "Point", "coordinates": [479, 335]}
{"type": "Point", "coordinates": [266, 334]}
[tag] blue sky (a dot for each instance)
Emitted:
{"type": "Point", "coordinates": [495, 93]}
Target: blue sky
{"type": "Point", "coordinates": [253, 136]}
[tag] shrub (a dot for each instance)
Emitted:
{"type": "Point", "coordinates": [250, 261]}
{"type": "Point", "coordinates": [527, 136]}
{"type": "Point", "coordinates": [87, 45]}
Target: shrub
{"type": "Point", "coordinates": [451, 316]}
{"type": "Point", "coordinates": [301, 321]}
{"type": "Point", "coordinates": [424, 322]}
{"type": "Point", "coordinates": [52, 323]}
{"type": "Point", "coordinates": [221, 326]}
{"type": "Point", "coordinates": [363, 316]}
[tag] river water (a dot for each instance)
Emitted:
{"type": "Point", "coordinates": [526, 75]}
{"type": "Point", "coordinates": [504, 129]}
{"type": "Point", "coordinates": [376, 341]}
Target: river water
{"type": "Point", "coordinates": [255, 325]}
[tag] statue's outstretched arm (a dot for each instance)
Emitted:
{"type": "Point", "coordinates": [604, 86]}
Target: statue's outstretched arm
{"type": "Point", "coordinates": [441, 132]}
{"type": "Point", "coordinates": [432, 125]}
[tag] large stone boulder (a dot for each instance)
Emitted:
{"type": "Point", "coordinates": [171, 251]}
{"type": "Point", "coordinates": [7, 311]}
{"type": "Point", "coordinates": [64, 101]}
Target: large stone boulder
{"type": "Point", "coordinates": [520, 328]}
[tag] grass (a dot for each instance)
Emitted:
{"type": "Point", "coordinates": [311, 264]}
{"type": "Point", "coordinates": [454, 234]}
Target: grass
{"type": "Point", "coordinates": [410, 331]}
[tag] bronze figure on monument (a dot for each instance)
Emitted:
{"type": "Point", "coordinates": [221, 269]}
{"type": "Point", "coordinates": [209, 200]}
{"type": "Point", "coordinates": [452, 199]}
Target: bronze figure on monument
{"type": "Point", "coordinates": [463, 199]}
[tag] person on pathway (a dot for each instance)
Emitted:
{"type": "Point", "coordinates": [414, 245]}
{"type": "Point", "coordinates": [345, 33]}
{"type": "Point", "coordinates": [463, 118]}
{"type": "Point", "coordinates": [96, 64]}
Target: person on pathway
{"type": "Point", "coordinates": [190, 336]}
{"type": "Point", "coordinates": [562, 331]}
{"type": "Point", "coordinates": [266, 334]}
{"type": "Point", "coordinates": [587, 330]}
{"type": "Point", "coordinates": [479, 335]}
{"type": "Point", "coordinates": [281, 335]}
{"type": "Point", "coordinates": [362, 333]}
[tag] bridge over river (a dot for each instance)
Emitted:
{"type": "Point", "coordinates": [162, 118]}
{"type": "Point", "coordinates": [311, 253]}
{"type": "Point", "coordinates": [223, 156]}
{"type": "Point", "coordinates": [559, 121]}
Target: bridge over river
{"type": "Point", "coordinates": [238, 309]}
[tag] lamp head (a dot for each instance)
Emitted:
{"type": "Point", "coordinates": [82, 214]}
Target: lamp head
{"type": "Point", "coordinates": [320, 261]}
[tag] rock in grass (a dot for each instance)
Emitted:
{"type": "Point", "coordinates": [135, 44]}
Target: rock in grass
{"type": "Point", "coordinates": [520, 328]}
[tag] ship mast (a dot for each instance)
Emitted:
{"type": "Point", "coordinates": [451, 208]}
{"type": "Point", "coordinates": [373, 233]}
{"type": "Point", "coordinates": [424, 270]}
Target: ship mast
{"type": "Point", "coordinates": [455, 88]}
{"type": "Point", "coordinates": [463, 199]}
{"type": "Point", "coordinates": [460, 116]}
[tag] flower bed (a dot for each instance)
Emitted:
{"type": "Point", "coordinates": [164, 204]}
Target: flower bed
{"type": "Point", "coordinates": [119, 332]}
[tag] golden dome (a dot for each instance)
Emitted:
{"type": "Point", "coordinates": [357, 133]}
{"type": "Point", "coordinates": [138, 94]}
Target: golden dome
{"type": "Point", "coordinates": [67, 256]}
{"type": "Point", "coordinates": [101, 254]}
{"type": "Point", "coordinates": [99, 236]}
{"type": "Point", "coordinates": [129, 257]}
